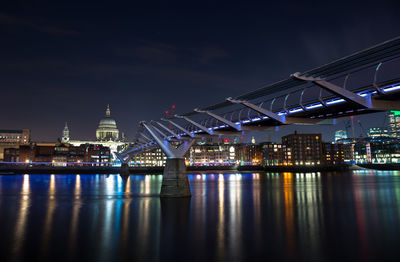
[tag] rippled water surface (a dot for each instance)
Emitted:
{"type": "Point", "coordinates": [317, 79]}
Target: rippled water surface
{"type": "Point", "coordinates": [230, 217]}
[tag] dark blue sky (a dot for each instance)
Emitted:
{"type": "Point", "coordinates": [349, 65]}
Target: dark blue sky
{"type": "Point", "coordinates": [64, 61]}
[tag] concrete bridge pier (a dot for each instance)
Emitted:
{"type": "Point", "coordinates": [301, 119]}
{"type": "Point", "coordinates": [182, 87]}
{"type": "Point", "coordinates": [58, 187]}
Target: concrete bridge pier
{"type": "Point", "coordinates": [175, 181]}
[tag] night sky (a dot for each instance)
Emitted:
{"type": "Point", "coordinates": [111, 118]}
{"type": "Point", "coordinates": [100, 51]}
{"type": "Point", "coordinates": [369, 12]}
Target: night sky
{"type": "Point", "coordinates": [65, 61]}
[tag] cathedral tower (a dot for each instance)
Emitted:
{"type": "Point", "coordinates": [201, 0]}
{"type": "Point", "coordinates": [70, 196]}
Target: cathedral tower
{"type": "Point", "coordinates": [65, 137]}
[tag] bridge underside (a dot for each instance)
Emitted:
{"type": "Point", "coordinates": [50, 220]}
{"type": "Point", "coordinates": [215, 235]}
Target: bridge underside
{"type": "Point", "coordinates": [317, 113]}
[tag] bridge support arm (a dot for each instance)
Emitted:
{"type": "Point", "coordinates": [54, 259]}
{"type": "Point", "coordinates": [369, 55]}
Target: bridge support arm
{"type": "Point", "coordinates": [169, 150]}
{"type": "Point", "coordinates": [179, 127]}
{"type": "Point", "coordinates": [163, 144]}
{"type": "Point", "coordinates": [145, 137]}
{"type": "Point", "coordinates": [223, 120]}
{"type": "Point", "coordinates": [205, 129]}
{"type": "Point", "coordinates": [341, 92]}
{"type": "Point", "coordinates": [270, 114]}
{"type": "Point", "coordinates": [365, 102]}
{"type": "Point", "coordinates": [168, 130]}
{"type": "Point", "coordinates": [142, 141]}
{"type": "Point", "coordinates": [160, 132]}
{"type": "Point", "coordinates": [126, 156]}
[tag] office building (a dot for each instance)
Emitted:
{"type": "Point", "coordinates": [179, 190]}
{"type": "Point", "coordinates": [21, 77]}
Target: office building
{"type": "Point", "coordinates": [13, 139]}
{"type": "Point", "coordinates": [394, 124]}
{"type": "Point", "coordinates": [306, 149]}
{"type": "Point", "coordinates": [249, 154]}
{"type": "Point", "coordinates": [375, 132]}
{"type": "Point", "coordinates": [340, 135]}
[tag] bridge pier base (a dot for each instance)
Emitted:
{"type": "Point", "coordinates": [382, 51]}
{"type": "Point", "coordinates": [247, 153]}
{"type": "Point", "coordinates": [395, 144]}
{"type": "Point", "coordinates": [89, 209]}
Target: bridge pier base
{"type": "Point", "coordinates": [175, 181]}
{"type": "Point", "coordinates": [124, 169]}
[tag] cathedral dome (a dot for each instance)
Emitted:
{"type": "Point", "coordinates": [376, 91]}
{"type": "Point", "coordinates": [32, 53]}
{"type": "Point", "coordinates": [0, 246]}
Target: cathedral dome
{"type": "Point", "coordinates": [107, 123]}
{"type": "Point", "coordinates": [107, 129]}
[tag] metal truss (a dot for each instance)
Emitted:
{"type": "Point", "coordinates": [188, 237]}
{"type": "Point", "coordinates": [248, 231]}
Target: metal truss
{"type": "Point", "coordinates": [203, 128]}
{"type": "Point", "coordinates": [168, 130]}
{"type": "Point", "coordinates": [223, 120]}
{"type": "Point", "coordinates": [179, 127]}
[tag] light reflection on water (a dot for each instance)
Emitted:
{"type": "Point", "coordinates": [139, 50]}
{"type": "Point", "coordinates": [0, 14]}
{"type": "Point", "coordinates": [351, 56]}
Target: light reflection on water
{"type": "Point", "coordinates": [290, 216]}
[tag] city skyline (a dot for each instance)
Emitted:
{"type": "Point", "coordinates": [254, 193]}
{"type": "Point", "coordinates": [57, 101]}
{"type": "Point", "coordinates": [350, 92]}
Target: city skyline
{"type": "Point", "coordinates": [273, 134]}
{"type": "Point", "coordinates": [141, 65]}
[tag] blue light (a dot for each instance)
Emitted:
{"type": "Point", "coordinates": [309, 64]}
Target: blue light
{"type": "Point", "coordinates": [335, 101]}
{"type": "Point", "coordinates": [314, 106]}
{"type": "Point", "coordinates": [295, 110]}
{"type": "Point", "coordinates": [392, 88]}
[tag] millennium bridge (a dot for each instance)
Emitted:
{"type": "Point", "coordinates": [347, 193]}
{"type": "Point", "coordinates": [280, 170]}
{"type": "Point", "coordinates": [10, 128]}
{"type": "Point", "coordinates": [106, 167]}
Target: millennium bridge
{"type": "Point", "coordinates": [365, 82]}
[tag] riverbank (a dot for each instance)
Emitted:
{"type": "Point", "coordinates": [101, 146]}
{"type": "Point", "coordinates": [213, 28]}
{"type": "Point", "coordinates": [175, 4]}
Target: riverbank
{"type": "Point", "coordinates": [9, 170]}
{"type": "Point", "coordinates": [381, 166]}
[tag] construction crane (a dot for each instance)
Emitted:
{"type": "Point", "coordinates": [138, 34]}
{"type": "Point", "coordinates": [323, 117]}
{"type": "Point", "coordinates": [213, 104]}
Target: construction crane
{"type": "Point", "coordinates": [352, 127]}
{"type": "Point", "coordinates": [362, 132]}
{"type": "Point", "coordinates": [347, 126]}
{"type": "Point", "coordinates": [170, 114]}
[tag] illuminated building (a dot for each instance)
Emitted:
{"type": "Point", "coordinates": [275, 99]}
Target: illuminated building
{"type": "Point", "coordinates": [211, 155]}
{"type": "Point", "coordinates": [340, 135]}
{"type": "Point", "coordinates": [153, 157]}
{"type": "Point", "coordinates": [394, 124]}
{"type": "Point", "coordinates": [377, 151]}
{"type": "Point", "coordinates": [299, 154]}
{"type": "Point", "coordinates": [306, 149]}
{"type": "Point", "coordinates": [59, 154]}
{"type": "Point", "coordinates": [107, 135]}
{"type": "Point", "coordinates": [249, 154]}
{"type": "Point", "coordinates": [11, 155]}
{"type": "Point", "coordinates": [275, 154]}
{"type": "Point", "coordinates": [348, 152]}
{"type": "Point", "coordinates": [333, 154]}
{"type": "Point", "coordinates": [13, 139]}
{"type": "Point", "coordinates": [374, 132]}
{"type": "Point", "coordinates": [202, 154]}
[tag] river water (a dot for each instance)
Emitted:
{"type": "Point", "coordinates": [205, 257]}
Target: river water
{"type": "Point", "coordinates": [230, 217]}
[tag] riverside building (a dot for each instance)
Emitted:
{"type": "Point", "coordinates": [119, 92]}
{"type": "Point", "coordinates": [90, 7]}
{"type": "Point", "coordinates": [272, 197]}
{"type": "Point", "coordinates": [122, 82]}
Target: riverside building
{"type": "Point", "coordinates": [377, 151]}
{"type": "Point", "coordinates": [249, 154]}
{"type": "Point", "coordinates": [377, 132]}
{"type": "Point", "coordinates": [394, 124]}
{"type": "Point", "coordinates": [59, 154]}
{"type": "Point", "coordinates": [211, 155]}
{"type": "Point", "coordinates": [150, 158]}
{"type": "Point", "coordinates": [306, 149]}
{"type": "Point", "coordinates": [275, 154]}
{"type": "Point", "coordinates": [13, 139]}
